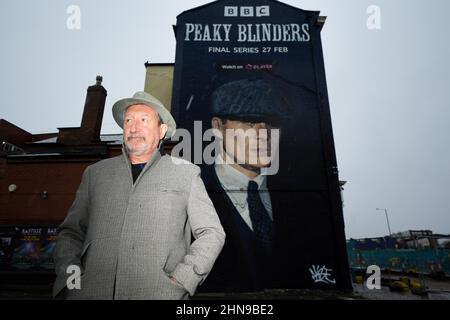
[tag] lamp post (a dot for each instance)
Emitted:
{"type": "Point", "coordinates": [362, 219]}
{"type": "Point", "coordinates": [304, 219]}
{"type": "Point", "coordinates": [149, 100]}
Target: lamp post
{"type": "Point", "coordinates": [387, 219]}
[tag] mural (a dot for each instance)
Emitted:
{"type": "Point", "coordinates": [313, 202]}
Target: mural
{"type": "Point", "coordinates": [250, 89]}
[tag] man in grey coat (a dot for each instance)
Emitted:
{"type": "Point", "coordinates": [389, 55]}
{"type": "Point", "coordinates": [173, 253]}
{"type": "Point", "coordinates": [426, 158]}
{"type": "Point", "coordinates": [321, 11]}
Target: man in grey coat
{"type": "Point", "coordinates": [128, 232]}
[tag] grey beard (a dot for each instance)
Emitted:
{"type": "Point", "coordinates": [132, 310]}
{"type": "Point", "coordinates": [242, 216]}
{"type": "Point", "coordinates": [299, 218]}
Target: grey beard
{"type": "Point", "coordinates": [135, 152]}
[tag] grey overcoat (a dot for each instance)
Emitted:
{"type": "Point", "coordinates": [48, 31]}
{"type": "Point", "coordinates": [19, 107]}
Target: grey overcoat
{"type": "Point", "coordinates": [129, 238]}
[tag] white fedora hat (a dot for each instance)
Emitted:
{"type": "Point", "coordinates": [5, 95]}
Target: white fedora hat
{"type": "Point", "coordinates": [147, 99]}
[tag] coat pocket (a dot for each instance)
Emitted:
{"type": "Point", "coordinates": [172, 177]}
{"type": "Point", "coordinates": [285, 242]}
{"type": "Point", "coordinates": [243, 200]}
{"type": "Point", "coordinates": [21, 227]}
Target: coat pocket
{"type": "Point", "coordinates": [175, 256]}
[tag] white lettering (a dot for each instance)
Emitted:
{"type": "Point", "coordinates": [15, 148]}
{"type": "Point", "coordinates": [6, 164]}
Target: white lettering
{"type": "Point", "coordinates": [206, 36]}
{"type": "Point", "coordinates": [263, 11]}
{"type": "Point", "coordinates": [296, 32]}
{"type": "Point", "coordinates": [247, 12]}
{"type": "Point", "coordinates": [74, 280]}
{"type": "Point", "coordinates": [198, 32]}
{"type": "Point", "coordinates": [267, 35]}
{"type": "Point", "coordinates": [216, 32]}
{"type": "Point", "coordinates": [286, 32]}
{"type": "Point", "coordinates": [264, 32]}
{"type": "Point", "coordinates": [276, 32]}
{"type": "Point", "coordinates": [305, 28]}
{"type": "Point", "coordinates": [251, 35]}
{"type": "Point", "coordinates": [242, 33]}
{"type": "Point", "coordinates": [74, 21]}
{"type": "Point", "coordinates": [231, 11]}
{"type": "Point", "coordinates": [187, 310]}
{"type": "Point", "coordinates": [374, 281]}
{"type": "Point", "coordinates": [227, 28]}
{"type": "Point", "coordinates": [374, 19]}
{"type": "Point", "coordinates": [189, 30]}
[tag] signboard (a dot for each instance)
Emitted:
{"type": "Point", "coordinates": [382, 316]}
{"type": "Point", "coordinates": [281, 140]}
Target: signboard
{"type": "Point", "coordinates": [254, 72]}
{"type": "Point", "coordinates": [48, 246]}
{"type": "Point", "coordinates": [7, 237]}
{"type": "Point", "coordinates": [27, 248]}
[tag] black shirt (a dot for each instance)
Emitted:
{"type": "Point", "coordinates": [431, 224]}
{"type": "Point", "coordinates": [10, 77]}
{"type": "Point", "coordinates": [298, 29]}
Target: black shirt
{"type": "Point", "coordinates": [136, 170]}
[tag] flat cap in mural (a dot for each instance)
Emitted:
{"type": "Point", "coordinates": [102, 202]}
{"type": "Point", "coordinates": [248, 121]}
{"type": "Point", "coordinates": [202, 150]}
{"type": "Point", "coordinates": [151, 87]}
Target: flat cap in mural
{"type": "Point", "coordinates": [249, 99]}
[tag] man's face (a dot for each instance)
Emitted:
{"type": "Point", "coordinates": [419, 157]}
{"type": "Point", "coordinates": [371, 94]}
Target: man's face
{"type": "Point", "coordinates": [141, 130]}
{"type": "Point", "coordinates": [245, 143]}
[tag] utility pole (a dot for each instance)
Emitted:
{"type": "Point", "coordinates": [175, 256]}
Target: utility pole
{"type": "Point", "coordinates": [387, 220]}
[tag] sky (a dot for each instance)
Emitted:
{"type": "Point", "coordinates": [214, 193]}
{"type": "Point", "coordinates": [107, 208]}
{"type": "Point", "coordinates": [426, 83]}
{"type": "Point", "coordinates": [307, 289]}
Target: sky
{"type": "Point", "coordinates": [388, 89]}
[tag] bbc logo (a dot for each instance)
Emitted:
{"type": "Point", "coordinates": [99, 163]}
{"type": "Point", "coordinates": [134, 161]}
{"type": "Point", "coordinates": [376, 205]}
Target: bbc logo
{"type": "Point", "coordinates": [261, 11]}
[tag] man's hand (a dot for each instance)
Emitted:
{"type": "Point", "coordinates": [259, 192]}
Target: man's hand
{"type": "Point", "coordinates": [175, 281]}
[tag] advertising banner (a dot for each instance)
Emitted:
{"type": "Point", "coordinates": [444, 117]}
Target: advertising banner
{"type": "Point", "coordinates": [250, 98]}
{"type": "Point", "coordinates": [27, 248]}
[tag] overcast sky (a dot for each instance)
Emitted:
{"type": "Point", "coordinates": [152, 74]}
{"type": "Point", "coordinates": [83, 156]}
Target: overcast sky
{"type": "Point", "coordinates": [389, 89]}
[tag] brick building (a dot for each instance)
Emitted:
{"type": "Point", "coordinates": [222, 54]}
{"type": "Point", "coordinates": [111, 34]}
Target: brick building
{"type": "Point", "coordinates": [39, 174]}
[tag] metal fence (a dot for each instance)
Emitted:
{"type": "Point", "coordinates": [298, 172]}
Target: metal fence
{"type": "Point", "coordinates": [420, 261]}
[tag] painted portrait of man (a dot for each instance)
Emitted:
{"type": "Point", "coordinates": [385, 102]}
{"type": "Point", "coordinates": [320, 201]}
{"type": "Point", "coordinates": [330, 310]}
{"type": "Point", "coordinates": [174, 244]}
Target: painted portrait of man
{"type": "Point", "coordinates": [246, 119]}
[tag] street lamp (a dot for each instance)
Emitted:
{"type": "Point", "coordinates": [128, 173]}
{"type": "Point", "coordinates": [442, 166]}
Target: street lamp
{"type": "Point", "coordinates": [387, 219]}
